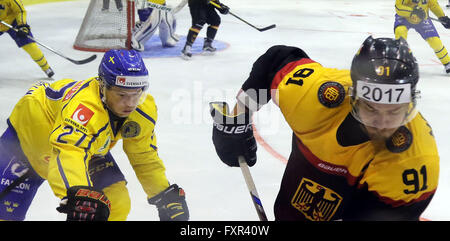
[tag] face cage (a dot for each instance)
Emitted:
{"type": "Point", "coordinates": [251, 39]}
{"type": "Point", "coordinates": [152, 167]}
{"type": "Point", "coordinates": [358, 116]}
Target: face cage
{"type": "Point", "coordinates": [410, 114]}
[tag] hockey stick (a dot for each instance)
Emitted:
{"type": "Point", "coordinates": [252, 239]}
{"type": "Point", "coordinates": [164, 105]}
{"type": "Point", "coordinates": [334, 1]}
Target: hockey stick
{"type": "Point", "coordinates": [14, 184]}
{"type": "Point", "coordinates": [180, 6]}
{"type": "Point", "coordinates": [83, 61]}
{"type": "Point", "coordinates": [259, 29]}
{"type": "Point", "coordinates": [252, 188]}
{"type": "Point", "coordinates": [251, 25]}
{"type": "Point", "coordinates": [435, 19]}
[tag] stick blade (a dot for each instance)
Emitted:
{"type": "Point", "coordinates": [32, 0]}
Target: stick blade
{"type": "Point", "coordinates": [267, 28]}
{"type": "Point", "coordinates": [83, 61]}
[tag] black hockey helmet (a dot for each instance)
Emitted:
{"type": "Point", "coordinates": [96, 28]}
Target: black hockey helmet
{"type": "Point", "coordinates": [385, 71]}
{"type": "Point", "coordinates": [385, 61]}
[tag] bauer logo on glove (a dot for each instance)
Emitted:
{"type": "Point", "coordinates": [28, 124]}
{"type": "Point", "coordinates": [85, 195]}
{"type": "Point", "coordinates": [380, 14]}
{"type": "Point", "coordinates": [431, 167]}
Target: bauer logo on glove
{"type": "Point", "coordinates": [232, 135]}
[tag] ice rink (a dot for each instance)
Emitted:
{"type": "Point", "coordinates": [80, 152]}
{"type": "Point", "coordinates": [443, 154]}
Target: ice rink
{"type": "Point", "coordinates": [330, 31]}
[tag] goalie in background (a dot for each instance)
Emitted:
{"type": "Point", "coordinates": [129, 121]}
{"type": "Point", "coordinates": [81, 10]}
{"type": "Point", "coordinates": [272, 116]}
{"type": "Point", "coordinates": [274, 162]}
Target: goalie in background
{"type": "Point", "coordinates": [14, 13]}
{"type": "Point", "coordinates": [63, 133]}
{"type": "Point", "coordinates": [105, 5]}
{"type": "Point", "coordinates": [414, 14]}
{"type": "Point", "coordinates": [151, 19]}
{"type": "Point", "coordinates": [202, 12]}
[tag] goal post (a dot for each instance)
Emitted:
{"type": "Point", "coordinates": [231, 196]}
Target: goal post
{"type": "Point", "coordinates": [107, 24]}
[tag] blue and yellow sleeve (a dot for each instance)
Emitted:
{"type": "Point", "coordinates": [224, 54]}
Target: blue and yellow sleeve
{"type": "Point", "coordinates": [140, 145]}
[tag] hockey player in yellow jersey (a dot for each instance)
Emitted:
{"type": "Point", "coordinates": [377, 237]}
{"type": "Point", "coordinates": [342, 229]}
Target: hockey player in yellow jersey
{"type": "Point", "coordinates": [63, 133]}
{"type": "Point", "coordinates": [360, 149]}
{"type": "Point", "coordinates": [13, 12]}
{"type": "Point", "coordinates": [415, 14]}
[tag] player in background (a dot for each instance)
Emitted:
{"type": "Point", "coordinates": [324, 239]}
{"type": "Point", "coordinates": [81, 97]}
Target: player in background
{"type": "Point", "coordinates": [13, 12]}
{"type": "Point", "coordinates": [153, 18]}
{"type": "Point", "coordinates": [414, 14]}
{"type": "Point", "coordinates": [203, 12]}
{"type": "Point", "coordinates": [63, 133]}
{"type": "Point", "coordinates": [105, 5]}
{"type": "Point", "coordinates": [360, 149]}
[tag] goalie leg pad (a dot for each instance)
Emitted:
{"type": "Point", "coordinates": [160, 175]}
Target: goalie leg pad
{"type": "Point", "coordinates": [144, 14]}
{"type": "Point", "coordinates": [167, 29]}
{"type": "Point", "coordinates": [147, 28]}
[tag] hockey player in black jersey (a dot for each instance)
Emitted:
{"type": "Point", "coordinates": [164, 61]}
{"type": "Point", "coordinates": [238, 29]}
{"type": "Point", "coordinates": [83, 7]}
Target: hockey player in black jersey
{"type": "Point", "coordinates": [360, 148]}
{"type": "Point", "coordinates": [202, 12]}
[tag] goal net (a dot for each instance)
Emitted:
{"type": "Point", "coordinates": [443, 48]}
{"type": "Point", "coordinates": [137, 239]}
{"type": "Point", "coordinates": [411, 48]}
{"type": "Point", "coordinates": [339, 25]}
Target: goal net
{"type": "Point", "coordinates": [107, 24]}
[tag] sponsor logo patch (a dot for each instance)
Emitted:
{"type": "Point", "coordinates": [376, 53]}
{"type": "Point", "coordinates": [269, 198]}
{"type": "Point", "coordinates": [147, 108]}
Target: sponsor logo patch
{"type": "Point", "coordinates": [316, 202]}
{"type": "Point", "coordinates": [331, 94]}
{"type": "Point", "coordinates": [130, 129]}
{"type": "Point", "coordinates": [400, 141]}
{"type": "Point", "coordinates": [72, 91]}
{"type": "Point", "coordinates": [82, 115]}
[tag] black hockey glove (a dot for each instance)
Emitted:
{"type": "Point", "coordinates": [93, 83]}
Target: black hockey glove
{"type": "Point", "coordinates": [23, 30]}
{"type": "Point", "coordinates": [445, 21]}
{"type": "Point", "coordinates": [222, 8]}
{"type": "Point", "coordinates": [84, 203]}
{"type": "Point", "coordinates": [418, 14]}
{"type": "Point", "coordinates": [171, 204]}
{"type": "Point", "coordinates": [232, 135]}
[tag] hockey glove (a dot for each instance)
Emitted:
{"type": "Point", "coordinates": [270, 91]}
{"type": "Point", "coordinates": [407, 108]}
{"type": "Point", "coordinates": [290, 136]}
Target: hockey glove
{"type": "Point", "coordinates": [445, 21]}
{"type": "Point", "coordinates": [171, 204]}
{"type": "Point", "coordinates": [23, 30]}
{"type": "Point", "coordinates": [222, 8]}
{"type": "Point", "coordinates": [84, 203]}
{"type": "Point", "coordinates": [417, 14]}
{"type": "Point", "coordinates": [232, 135]}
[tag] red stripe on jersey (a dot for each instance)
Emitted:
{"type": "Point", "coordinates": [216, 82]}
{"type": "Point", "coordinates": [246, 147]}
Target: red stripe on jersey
{"type": "Point", "coordinates": [286, 70]}
{"type": "Point", "coordinates": [343, 171]}
{"type": "Point", "coordinates": [325, 166]}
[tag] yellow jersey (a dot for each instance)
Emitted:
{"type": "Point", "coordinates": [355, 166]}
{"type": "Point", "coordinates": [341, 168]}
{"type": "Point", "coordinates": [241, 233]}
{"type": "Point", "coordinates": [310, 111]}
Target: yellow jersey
{"type": "Point", "coordinates": [335, 171]}
{"type": "Point", "coordinates": [11, 10]}
{"type": "Point", "coordinates": [404, 8]}
{"type": "Point", "coordinates": [63, 125]}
